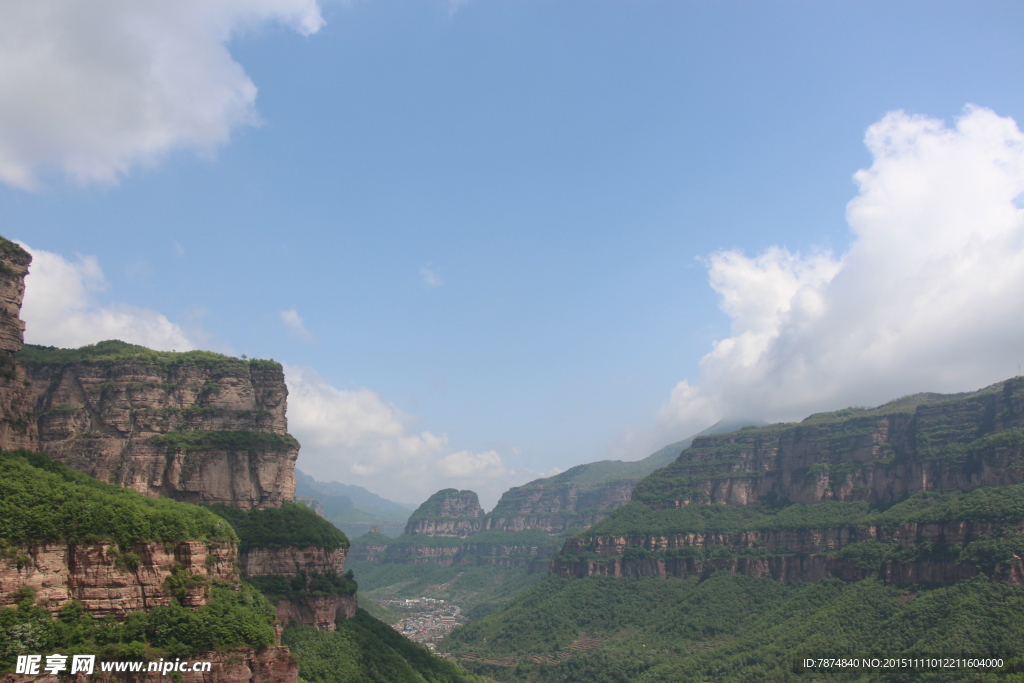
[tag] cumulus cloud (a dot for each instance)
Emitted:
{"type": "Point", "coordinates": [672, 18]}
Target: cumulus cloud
{"type": "Point", "coordinates": [94, 89]}
{"type": "Point", "coordinates": [60, 308]}
{"type": "Point", "coordinates": [357, 437]}
{"type": "Point", "coordinates": [929, 296]}
{"type": "Point", "coordinates": [296, 326]}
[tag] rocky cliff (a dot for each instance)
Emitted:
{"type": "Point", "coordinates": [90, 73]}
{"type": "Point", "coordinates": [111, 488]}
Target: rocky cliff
{"type": "Point", "coordinates": [320, 609]}
{"type": "Point", "coordinates": [449, 512]}
{"type": "Point", "coordinates": [923, 489]}
{"type": "Point", "coordinates": [291, 560]}
{"type": "Point", "coordinates": [583, 495]}
{"type": "Point", "coordinates": [17, 428]}
{"type": "Point", "coordinates": [795, 555]}
{"type": "Point", "coordinates": [534, 557]}
{"type": "Point", "coordinates": [110, 582]}
{"type": "Point", "coordinates": [558, 504]}
{"type": "Point", "coordinates": [197, 426]}
{"type": "Point", "coordinates": [925, 442]}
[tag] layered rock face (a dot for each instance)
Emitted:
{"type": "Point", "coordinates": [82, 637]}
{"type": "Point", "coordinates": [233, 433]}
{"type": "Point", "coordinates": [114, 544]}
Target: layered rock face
{"type": "Point", "coordinates": [934, 445]}
{"type": "Point", "coordinates": [108, 582]}
{"type": "Point", "coordinates": [17, 426]}
{"type": "Point", "coordinates": [270, 665]}
{"type": "Point", "coordinates": [291, 561]}
{"type": "Point", "coordinates": [448, 512]}
{"type": "Point", "coordinates": [790, 556]}
{"type": "Point", "coordinates": [322, 612]}
{"type": "Point", "coordinates": [583, 495]}
{"type": "Point", "coordinates": [554, 506]}
{"type": "Point", "coordinates": [196, 427]}
{"type": "Point", "coordinates": [534, 558]}
{"type": "Point", "coordinates": [928, 442]}
{"type": "Point", "coordinates": [309, 609]}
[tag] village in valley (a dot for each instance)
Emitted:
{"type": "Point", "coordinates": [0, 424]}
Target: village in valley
{"type": "Point", "coordinates": [425, 620]}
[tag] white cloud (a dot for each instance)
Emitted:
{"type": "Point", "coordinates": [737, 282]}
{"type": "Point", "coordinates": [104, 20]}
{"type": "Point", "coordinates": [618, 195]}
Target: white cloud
{"type": "Point", "coordinates": [465, 464]}
{"type": "Point", "coordinates": [430, 277]}
{"type": "Point", "coordinates": [296, 326]}
{"type": "Point", "coordinates": [60, 308]}
{"type": "Point", "coordinates": [929, 297]}
{"type": "Point", "coordinates": [357, 437]}
{"type": "Point", "coordinates": [93, 89]}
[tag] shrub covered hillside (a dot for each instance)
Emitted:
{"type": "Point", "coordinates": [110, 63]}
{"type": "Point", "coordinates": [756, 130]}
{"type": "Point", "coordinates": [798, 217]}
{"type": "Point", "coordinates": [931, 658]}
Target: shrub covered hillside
{"type": "Point", "coordinates": [292, 524]}
{"type": "Point", "coordinates": [44, 501]}
{"type": "Point", "coordinates": [892, 531]}
{"type": "Point", "coordinates": [366, 650]}
{"type": "Point", "coordinates": [728, 627]}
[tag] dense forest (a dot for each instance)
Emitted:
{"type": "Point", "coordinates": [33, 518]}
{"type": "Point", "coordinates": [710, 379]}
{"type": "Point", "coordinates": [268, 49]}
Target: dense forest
{"type": "Point", "coordinates": [735, 628]}
{"type": "Point", "coordinates": [364, 650]}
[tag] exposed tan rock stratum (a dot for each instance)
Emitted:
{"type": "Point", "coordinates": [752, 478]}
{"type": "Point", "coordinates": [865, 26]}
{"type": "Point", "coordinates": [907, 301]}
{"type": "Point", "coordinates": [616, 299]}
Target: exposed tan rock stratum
{"type": "Point", "coordinates": [291, 561]}
{"type": "Point", "coordinates": [319, 611]}
{"type": "Point", "coordinates": [17, 428]}
{"type": "Point", "coordinates": [926, 442]}
{"type": "Point", "coordinates": [106, 419]}
{"type": "Point", "coordinates": [449, 512]}
{"type": "Point", "coordinates": [555, 506]}
{"type": "Point", "coordinates": [98, 576]}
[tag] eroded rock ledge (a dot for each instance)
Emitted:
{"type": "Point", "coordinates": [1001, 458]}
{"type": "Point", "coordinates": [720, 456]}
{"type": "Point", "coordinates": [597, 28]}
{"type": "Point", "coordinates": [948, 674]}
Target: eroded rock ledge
{"type": "Point", "coordinates": [107, 581]}
{"type": "Point", "coordinates": [199, 428]}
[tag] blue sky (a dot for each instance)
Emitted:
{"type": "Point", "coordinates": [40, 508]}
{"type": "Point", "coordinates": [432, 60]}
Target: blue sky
{"type": "Point", "coordinates": [482, 235]}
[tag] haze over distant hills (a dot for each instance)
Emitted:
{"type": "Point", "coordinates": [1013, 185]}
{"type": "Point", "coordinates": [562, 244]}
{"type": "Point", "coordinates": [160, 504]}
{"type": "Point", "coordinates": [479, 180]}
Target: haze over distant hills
{"type": "Point", "coordinates": [353, 509]}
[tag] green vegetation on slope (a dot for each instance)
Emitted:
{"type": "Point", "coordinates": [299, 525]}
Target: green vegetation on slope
{"type": "Point", "coordinates": [202, 439]}
{"type": "Point", "coordinates": [290, 587]}
{"type": "Point", "coordinates": [527, 537]}
{"type": "Point", "coordinates": [113, 351]}
{"type": "Point", "coordinates": [365, 650]}
{"type": "Point", "coordinates": [43, 500]}
{"type": "Point", "coordinates": [477, 590]}
{"type": "Point", "coordinates": [232, 618]}
{"type": "Point", "coordinates": [731, 628]}
{"type": "Point", "coordinates": [433, 507]}
{"type": "Point", "coordinates": [985, 503]}
{"type": "Point", "coordinates": [292, 524]}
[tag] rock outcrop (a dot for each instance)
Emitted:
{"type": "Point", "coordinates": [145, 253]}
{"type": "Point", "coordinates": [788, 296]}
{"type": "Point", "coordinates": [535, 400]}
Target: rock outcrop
{"type": "Point", "coordinates": [17, 426]}
{"type": "Point", "coordinates": [927, 444]}
{"type": "Point", "coordinates": [291, 561]}
{"type": "Point", "coordinates": [449, 512]}
{"type": "Point", "coordinates": [583, 495]}
{"type": "Point", "coordinates": [197, 427]}
{"type": "Point", "coordinates": [790, 556]}
{"type": "Point", "coordinates": [555, 505]}
{"type": "Point", "coordinates": [320, 610]}
{"type": "Point", "coordinates": [107, 581]}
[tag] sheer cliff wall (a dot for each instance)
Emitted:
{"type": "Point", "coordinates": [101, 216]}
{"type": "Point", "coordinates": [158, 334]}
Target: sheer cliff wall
{"type": "Point", "coordinates": [197, 427]}
{"type": "Point", "coordinates": [17, 428]}
{"type": "Point", "coordinates": [319, 609]}
{"type": "Point", "coordinates": [97, 576]}
{"type": "Point", "coordinates": [928, 488]}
